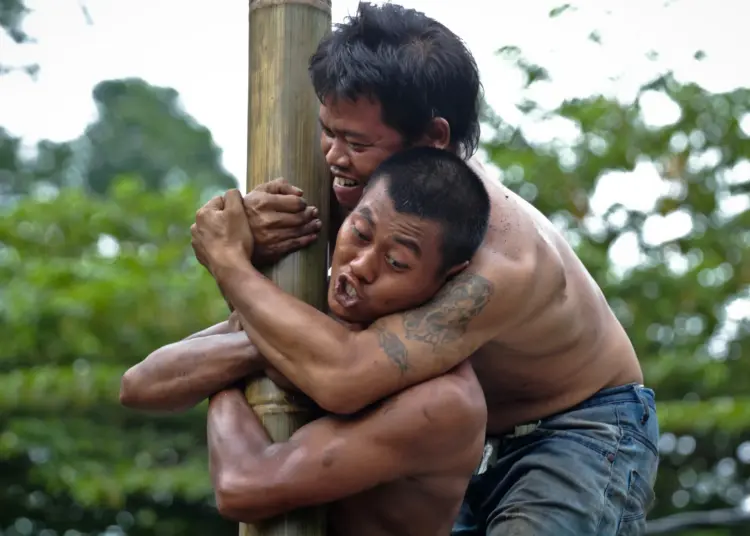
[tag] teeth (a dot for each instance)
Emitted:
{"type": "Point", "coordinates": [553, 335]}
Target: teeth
{"type": "Point", "coordinates": [350, 291]}
{"type": "Point", "coordinates": [348, 183]}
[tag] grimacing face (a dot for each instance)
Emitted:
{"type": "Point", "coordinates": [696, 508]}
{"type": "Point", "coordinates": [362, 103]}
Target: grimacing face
{"type": "Point", "coordinates": [384, 261]}
{"type": "Point", "coordinates": [355, 140]}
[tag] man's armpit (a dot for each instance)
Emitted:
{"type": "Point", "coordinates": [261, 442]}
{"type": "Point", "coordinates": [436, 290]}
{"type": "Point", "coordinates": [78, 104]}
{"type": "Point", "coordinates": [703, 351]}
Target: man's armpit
{"type": "Point", "coordinates": [440, 322]}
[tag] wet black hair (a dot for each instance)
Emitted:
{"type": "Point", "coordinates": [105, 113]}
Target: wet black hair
{"type": "Point", "coordinates": [413, 65]}
{"type": "Point", "coordinates": [437, 185]}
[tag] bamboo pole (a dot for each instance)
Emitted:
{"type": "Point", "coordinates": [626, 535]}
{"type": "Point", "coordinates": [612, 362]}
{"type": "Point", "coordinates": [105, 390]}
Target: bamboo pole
{"type": "Point", "coordinates": [283, 141]}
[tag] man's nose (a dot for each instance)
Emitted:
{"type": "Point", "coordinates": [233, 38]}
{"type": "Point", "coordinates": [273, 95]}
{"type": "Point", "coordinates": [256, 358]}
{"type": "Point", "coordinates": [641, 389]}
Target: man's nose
{"type": "Point", "coordinates": [337, 154]}
{"type": "Point", "coordinates": [364, 267]}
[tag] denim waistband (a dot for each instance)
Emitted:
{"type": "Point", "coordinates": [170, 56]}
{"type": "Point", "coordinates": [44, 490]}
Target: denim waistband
{"type": "Point", "coordinates": [630, 392]}
{"type": "Point", "coordinates": [622, 394]}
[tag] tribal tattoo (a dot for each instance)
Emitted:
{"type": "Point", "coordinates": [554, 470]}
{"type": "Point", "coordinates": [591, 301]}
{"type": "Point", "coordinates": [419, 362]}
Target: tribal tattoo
{"type": "Point", "coordinates": [392, 346]}
{"type": "Point", "coordinates": [441, 321]}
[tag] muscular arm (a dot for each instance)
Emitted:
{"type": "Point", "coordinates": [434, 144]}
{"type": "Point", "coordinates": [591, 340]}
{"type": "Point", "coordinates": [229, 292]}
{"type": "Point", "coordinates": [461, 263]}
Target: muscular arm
{"type": "Point", "coordinates": [438, 424]}
{"type": "Point", "coordinates": [180, 375]}
{"type": "Point", "coordinates": [344, 371]}
{"type": "Point", "coordinates": [216, 329]}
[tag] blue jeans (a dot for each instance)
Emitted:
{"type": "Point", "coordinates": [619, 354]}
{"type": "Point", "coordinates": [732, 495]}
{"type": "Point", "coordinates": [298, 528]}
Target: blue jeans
{"type": "Point", "coordinates": [588, 471]}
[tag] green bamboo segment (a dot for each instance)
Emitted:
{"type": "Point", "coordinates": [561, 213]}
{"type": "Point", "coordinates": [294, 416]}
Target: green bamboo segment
{"type": "Point", "coordinates": [283, 141]}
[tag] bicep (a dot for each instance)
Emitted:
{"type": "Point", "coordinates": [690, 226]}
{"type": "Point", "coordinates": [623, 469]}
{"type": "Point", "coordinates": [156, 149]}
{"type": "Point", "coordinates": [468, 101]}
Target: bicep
{"type": "Point", "coordinates": [331, 459]}
{"type": "Point", "coordinates": [410, 347]}
{"type": "Point", "coordinates": [413, 432]}
{"type": "Point", "coordinates": [334, 458]}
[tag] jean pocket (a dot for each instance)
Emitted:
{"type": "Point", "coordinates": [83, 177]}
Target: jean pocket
{"type": "Point", "coordinates": [640, 498]}
{"type": "Point", "coordinates": [595, 429]}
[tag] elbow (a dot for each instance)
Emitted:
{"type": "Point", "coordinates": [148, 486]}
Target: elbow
{"type": "Point", "coordinates": [348, 388]}
{"type": "Point", "coordinates": [242, 499]}
{"type": "Point", "coordinates": [341, 397]}
{"type": "Point", "coordinates": [129, 395]}
{"type": "Point", "coordinates": [228, 508]}
{"type": "Point", "coordinates": [136, 392]}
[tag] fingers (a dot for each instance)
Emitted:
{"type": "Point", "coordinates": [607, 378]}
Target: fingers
{"type": "Point", "coordinates": [233, 202]}
{"type": "Point", "coordinates": [216, 203]}
{"type": "Point", "coordinates": [267, 202]}
{"type": "Point", "coordinates": [281, 220]}
{"type": "Point", "coordinates": [280, 186]}
{"type": "Point", "coordinates": [291, 245]}
{"type": "Point", "coordinates": [271, 237]}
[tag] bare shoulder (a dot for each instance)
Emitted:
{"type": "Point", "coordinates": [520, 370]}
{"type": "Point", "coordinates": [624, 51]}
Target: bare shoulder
{"type": "Point", "coordinates": [521, 256]}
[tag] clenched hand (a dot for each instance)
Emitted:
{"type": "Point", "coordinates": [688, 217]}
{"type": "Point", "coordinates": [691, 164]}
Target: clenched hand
{"type": "Point", "coordinates": [221, 235]}
{"type": "Point", "coordinates": [281, 221]}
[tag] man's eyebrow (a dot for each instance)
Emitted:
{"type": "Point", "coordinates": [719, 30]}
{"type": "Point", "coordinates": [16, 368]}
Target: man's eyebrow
{"type": "Point", "coordinates": [366, 214]}
{"type": "Point", "coordinates": [409, 243]}
{"type": "Point", "coordinates": [345, 133]}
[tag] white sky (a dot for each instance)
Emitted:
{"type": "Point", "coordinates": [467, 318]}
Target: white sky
{"type": "Point", "coordinates": [199, 47]}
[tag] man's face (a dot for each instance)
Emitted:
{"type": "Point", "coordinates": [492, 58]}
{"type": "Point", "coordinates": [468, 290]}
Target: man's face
{"type": "Point", "coordinates": [384, 262]}
{"type": "Point", "coordinates": [355, 141]}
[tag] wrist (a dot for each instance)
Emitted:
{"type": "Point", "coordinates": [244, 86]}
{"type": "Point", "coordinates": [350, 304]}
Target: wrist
{"type": "Point", "coordinates": [229, 265]}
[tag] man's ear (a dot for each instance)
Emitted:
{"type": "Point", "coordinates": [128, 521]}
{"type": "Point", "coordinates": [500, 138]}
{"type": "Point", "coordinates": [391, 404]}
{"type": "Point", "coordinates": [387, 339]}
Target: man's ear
{"type": "Point", "coordinates": [438, 134]}
{"type": "Point", "coordinates": [457, 269]}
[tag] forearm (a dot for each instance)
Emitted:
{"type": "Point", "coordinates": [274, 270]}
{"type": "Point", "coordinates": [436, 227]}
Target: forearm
{"type": "Point", "coordinates": [275, 320]}
{"type": "Point", "coordinates": [178, 376]}
{"type": "Point", "coordinates": [218, 329]}
{"type": "Point", "coordinates": [235, 435]}
{"type": "Point", "coordinates": [237, 442]}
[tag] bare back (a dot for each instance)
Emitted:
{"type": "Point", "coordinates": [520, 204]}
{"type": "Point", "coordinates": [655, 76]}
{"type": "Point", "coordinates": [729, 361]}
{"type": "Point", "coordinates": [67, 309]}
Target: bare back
{"type": "Point", "coordinates": [564, 343]}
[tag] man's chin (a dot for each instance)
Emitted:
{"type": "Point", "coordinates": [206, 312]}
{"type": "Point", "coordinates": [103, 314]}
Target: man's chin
{"type": "Point", "coordinates": [347, 317]}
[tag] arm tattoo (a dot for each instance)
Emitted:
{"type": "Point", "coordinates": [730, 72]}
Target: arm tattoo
{"type": "Point", "coordinates": [445, 319]}
{"type": "Point", "coordinates": [392, 346]}
{"type": "Point", "coordinates": [441, 321]}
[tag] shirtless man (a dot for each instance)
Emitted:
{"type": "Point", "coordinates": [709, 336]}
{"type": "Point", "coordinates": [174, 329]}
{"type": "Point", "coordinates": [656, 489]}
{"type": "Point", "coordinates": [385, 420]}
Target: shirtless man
{"type": "Point", "coordinates": [571, 432]}
{"type": "Point", "coordinates": [402, 466]}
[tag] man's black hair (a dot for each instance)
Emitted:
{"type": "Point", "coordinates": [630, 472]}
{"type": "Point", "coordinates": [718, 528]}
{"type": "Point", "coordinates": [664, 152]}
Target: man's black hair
{"type": "Point", "coordinates": [437, 185]}
{"type": "Point", "coordinates": [413, 65]}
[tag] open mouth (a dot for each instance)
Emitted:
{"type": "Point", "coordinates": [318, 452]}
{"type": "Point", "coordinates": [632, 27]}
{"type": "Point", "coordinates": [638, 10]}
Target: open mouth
{"type": "Point", "coordinates": [348, 191]}
{"type": "Point", "coordinates": [343, 182]}
{"type": "Point", "coordinates": [345, 292]}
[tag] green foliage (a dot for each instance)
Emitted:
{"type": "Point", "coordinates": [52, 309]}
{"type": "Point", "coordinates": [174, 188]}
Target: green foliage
{"type": "Point", "coordinates": [96, 272]}
{"type": "Point", "coordinates": [679, 299]}
{"type": "Point", "coordinates": [90, 287]}
{"type": "Point", "coordinates": [12, 13]}
{"type": "Point", "coordinates": [143, 129]}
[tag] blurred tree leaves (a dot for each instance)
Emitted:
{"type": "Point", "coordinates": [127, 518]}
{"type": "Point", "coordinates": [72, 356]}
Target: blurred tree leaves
{"type": "Point", "coordinates": [12, 13]}
{"type": "Point", "coordinates": [96, 272]}
{"type": "Point", "coordinates": [143, 129]}
{"type": "Point", "coordinates": [688, 238]}
{"type": "Point", "coordinates": [90, 286]}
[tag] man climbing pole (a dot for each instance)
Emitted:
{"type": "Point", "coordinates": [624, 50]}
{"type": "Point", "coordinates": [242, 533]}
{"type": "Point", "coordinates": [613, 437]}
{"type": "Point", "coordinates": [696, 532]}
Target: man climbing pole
{"type": "Point", "coordinates": [571, 432]}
